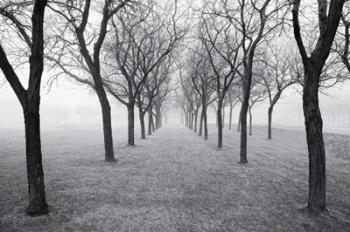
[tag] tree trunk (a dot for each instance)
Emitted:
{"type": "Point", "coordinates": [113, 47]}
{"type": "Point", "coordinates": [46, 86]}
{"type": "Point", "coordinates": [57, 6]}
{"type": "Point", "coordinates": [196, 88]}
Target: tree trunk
{"type": "Point", "coordinates": [244, 112]}
{"type": "Point", "coordinates": [205, 122]}
{"type": "Point", "coordinates": [150, 118]}
{"type": "Point", "coordinates": [250, 122]}
{"type": "Point", "coordinates": [142, 124]}
{"type": "Point", "coordinates": [219, 121]}
{"type": "Point", "coordinates": [314, 135]}
{"type": "Point", "coordinates": [107, 125]}
{"type": "Point", "coordinates": [269, 125]}
{"type": "Point", "coordinates": [35, 174]}
{"type": "Point", "coordinates": [131, 125]}
{"type": "Point", "coordinates": [201, 124]}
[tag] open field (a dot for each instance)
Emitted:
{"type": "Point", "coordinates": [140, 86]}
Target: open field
{"type": "Point", "coordinates": [174, 181]}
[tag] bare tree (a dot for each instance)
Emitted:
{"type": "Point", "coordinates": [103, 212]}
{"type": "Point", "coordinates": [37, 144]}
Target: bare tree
{"type": "Point", "coordinates": [329, 15]}
{"type": "Point", "coordinates": [222, 47]}
{"type": "Point", "coordinates": [202, 81]}
{"type": "Point", "coordinates": [276, 74]}
{"type": "Point", "coordinates": [258, 93]}
{"type": "Point", "coordinates": [233, 101]}
{"type": "Point", "coordinates": [29, 98]}
{"type": "Point", "coordinates": [254, 22]}
{"type": "Point", "coordinates": [142, 41]}
{"type": "Point", "coordinates": [76, 21]}
{"type": "Point", "coordinates": [153, 85]}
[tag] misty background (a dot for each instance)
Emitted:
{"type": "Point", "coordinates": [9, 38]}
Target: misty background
{"type": "Point", "coordinates": [69, 104]}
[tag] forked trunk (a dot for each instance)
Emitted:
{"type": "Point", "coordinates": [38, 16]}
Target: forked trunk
{"type": "Point", "coordinates": [314, 135]}
{"type": "Point", "coordinates": [35, 174]}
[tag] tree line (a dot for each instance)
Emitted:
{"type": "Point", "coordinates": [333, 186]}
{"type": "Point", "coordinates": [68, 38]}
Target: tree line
{"type": "Point", "coordinates": [124, 49]}
{"type": "Point", "coordinates": [245, 52]}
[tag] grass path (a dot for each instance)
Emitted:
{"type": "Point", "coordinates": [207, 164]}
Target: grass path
{"type": "Point", "coordinates": [174, 181]}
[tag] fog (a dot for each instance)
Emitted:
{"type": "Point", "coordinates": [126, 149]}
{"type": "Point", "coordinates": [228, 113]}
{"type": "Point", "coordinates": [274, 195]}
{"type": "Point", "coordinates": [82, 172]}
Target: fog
{"type": "Point", "coordinates": [68, 104]}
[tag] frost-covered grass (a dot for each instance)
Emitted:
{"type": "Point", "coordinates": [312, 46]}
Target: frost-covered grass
{"type": "Point", "coordinates": [174, 181]}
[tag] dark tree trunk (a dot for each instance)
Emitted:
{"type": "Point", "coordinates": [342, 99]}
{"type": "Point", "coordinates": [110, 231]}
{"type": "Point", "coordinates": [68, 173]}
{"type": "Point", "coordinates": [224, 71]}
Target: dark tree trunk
{"type": "Point", "coordinates": [35, 174]}
{"type": "Point", "coordinates": [250, 122]}
{"type": "Point", "coordinates": [201, 124]}
{"type": "Point", "coordinates": [219, 122]}
{"type": "Point", "coordinates": [142, 124]}
{"type": "Point", "coordinates": [205, 123]}
{"type": "Point", "coordinates": [328, 25]}
{"type": "Point", "coordinates": [150, 118]}
{"type": "Point", "coordinates": [107, 127]}
{"type": "Point", "coordinates": [314, 135]}
{"type": "Point", "coordinates": [244, 112]}
{"type": "Point", "coordinates": [269, 125]}
{"type": "Point", "coordinates": [131, 125]}
{"type": "Point", "coordinates": [30, 101]}
{"type": "Point", "coordinates": [186, 119]}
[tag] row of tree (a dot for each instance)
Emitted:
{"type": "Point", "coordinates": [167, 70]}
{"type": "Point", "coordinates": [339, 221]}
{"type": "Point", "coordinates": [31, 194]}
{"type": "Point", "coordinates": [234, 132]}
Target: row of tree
{"type": "Point", "coordinates": [243, 53]}
{"type": "Point", "coordinates": [123, 48]}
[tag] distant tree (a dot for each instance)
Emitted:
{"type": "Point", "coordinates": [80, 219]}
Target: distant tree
{"type": "Point", "coordinates": [276, 74]}
{"type": "Point", "coordinates": [329, 15]}
{"type": "Point", "coordinates": [233, 101]}
{"type": "Point", "coordinates": [202, 81]}
{"type": "Point", "coordinates": [142, 41]}
{"type": "Point", "coordinates": [192, 99]}
{"type": "Point", "coordinates": [222, 46]}
{"type": "Point", "coordinates": [153, 86]}
{"type": "Point", "coordinates": [254, 23]}
{"type": "Point", "coordinates": [258, 93]}
{"type": "Point", "coordinates": [17, 15]}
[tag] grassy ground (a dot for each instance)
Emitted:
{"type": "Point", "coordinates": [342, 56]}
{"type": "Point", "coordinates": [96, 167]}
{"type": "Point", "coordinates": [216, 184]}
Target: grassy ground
{"type": "Point", "coordinates": [174, 181]}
